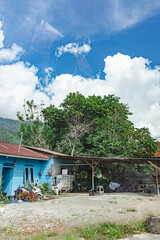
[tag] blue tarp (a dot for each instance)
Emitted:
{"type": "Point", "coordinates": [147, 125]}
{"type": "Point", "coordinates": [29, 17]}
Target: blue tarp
{"type": "Point", "coordinates": [16, 201]}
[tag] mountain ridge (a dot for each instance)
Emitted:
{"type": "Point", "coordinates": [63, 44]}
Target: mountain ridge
{"type": "Point", "coordinates": [8, 130]}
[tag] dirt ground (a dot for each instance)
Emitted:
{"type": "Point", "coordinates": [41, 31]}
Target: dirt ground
{"type": "Point", "coordinates": [77, 210]}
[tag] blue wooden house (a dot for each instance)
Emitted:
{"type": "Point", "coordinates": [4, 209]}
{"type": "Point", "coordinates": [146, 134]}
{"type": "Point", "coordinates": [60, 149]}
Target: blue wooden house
{"type": "Point", "coordinates": [19, 165]}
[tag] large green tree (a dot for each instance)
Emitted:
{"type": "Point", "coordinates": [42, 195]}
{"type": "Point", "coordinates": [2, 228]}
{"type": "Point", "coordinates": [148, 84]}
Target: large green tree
{"type": "Point", "coordinates": [96, 126]}
{"type": "Point", "coordinates": [35, 131]}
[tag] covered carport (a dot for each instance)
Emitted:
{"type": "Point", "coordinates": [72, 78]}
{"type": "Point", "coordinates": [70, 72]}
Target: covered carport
{"type": "Point", "coordinates": [94, 161]}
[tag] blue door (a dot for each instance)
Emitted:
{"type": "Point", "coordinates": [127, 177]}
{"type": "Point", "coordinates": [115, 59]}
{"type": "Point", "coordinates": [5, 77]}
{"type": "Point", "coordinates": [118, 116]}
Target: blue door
{"type": "Point", "coordinates": [7, 176]}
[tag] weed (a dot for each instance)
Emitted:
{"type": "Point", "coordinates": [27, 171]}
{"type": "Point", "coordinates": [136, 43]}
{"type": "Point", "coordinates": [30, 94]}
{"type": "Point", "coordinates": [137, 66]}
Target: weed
{"type": "Point", "coordinates": [75, 215]}
{"type": "Point", "coordinates": [131, 210]}
{"type": "Point", "coordinates": [89, 232]}
{"type": "Point", "coordinates": [8, 229]}
{"type": "Point", "coordinates": [122, 212]}
{"type": "Point", "coordinates": [69, 236]}
{"type": "Point", "coordinates": [150, 215]}
{"type": "Point", "coordinates": [92, 210]}
{"type": "Point", "coordinates": [6, 201]}
{"type": "Point", "coordinates": [50, 234]}
{"type": "Point", "coordinates": [115, 202]}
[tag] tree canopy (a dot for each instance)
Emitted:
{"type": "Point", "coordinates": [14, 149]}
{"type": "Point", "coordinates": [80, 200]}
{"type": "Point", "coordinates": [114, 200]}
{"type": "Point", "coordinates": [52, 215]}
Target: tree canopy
{"type": "Point", "coordinates": [96, 126]}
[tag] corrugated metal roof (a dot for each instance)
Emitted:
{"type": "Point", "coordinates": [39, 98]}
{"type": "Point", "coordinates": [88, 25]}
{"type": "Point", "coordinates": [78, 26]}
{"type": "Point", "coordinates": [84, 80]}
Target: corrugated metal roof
{"type": "Point", "coordinates": [98, 159]}
{"type": "Point", "coordinates": [11, 149]}
{"type": "Point", "coordinates": [47, 151]}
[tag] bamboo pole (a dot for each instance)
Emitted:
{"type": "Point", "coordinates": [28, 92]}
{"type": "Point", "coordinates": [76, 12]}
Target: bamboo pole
{"type": "Point", "coordinates": [157, 184]}
{"type": "Point", "coordinates": [92, 176]}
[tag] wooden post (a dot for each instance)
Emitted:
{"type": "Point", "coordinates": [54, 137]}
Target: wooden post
{"type": "Point", "coordinates": [93, 167]}
{"type": "Point", "coordinates": [92, 176]}
{"type": "Point", "coordinates": [157, 184]}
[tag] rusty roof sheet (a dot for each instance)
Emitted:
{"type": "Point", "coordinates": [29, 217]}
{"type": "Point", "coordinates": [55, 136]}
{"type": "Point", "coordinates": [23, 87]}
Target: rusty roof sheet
{"type": "Point", "coordinates": [98, 159]}
{"type": "Point", "coordinates": [12, 150]}
{"type": "Point", "coordinates": [157, 154]}
{"type": "Point", "coordinates": [47, 151]}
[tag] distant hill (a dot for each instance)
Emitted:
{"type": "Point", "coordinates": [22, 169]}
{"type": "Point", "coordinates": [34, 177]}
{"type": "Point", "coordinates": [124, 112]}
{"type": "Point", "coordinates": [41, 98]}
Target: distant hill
{"type": "Point", "coordinates": [8, 130]}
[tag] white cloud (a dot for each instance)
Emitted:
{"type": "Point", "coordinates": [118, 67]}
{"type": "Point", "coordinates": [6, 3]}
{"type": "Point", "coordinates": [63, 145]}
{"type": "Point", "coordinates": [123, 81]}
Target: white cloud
{"type": "Point", "coordinates": [74, 49]}
{"type": "Point", "coordinates": [48, 71]}
{"type": "Point", "coordinates": [12, 54]}
{"type": "Point", "coordinates": [18, 82]}
{"type": "Point", "coordinates": [66, 83]}
{"type": "Point", "coordinates": [128, 14]}
{"type": "Point", "coordinates": [1, 36]}
{"type": "Point", "coordinates": [133, 80]}
{"type": "Point", "coordinates": [138, 85]}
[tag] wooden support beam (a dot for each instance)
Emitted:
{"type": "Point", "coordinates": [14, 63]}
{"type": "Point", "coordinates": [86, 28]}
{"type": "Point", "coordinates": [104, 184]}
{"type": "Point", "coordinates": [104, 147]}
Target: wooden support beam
{"type": "Point", "coordinates": [72, 164]}
{"type": "Point", "coordinates": [150, 169]}
{"type": "Point", "coordinates": [154, 165]}
{"type": "Point", "coordinates": [93, 166]}
{"type": "Point", "coordinates": [157, 170]}
{"type": "Point", "coordinates": [157, 183]}
{"type": "Point", "coordinates": [93, 175]}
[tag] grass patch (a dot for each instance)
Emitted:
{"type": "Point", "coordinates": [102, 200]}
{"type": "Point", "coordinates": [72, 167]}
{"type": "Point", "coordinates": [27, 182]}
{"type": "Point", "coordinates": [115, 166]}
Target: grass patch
{"type": "Point", "coordinates": [92, 210]}
{"type": "Point", "coordinates": [122, 212]}
{"type": "Point", "coordinates": [112, 231]}
{"type": "Point", "coordinates": [89, 232]}
{"type": "Point", "coordinates": [141, 199]}
{"type": "Point", "coordinates": [115, 202]}
{"type": "Point", "coordinates": [69, 236]}
{"type": "Point", "coordinates": [115, 231]}
{"type": "Point", "coordinates": [108, 230]}
{"type": "Point", "coordinates": [131, 210]}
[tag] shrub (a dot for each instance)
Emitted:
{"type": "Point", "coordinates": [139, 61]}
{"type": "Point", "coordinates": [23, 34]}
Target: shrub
{"type": "Point", "coordinates": [29, 196]}
{"type": "Point", "coordinates": [1, 195]}
{"type": "Point", "coordinates": [18, 193]}
{"type": "Point", "coordinates": [45, 188]}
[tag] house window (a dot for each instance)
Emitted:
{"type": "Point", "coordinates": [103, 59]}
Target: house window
{"type": "Point", "coordinates": [32, 179]}
{"type": "Point", "coordinates": [29, 174]}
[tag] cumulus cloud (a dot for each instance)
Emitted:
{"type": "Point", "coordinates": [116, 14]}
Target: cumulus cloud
{"type": "Point", "coordinates": [1, 36]}
{"type": "Point", "coordinates": [73, 48]}
{"type": "Point", "coordinates": [18, 82]}
{"type": "Point", "coordinates": [12, 54]}
{"type": "Point", "coordinates": [138, 85]}
{"type": "Point", "coordinates": [133, 80]}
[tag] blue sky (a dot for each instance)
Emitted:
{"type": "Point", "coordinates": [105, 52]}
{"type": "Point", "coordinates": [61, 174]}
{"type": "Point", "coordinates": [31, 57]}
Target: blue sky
{"type": "Point", "coordinates": [49, 48]}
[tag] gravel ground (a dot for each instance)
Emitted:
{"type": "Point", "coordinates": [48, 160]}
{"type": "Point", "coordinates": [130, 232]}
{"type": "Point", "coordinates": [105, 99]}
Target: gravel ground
{"type": "Point", "coordinates": [78, 210]}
